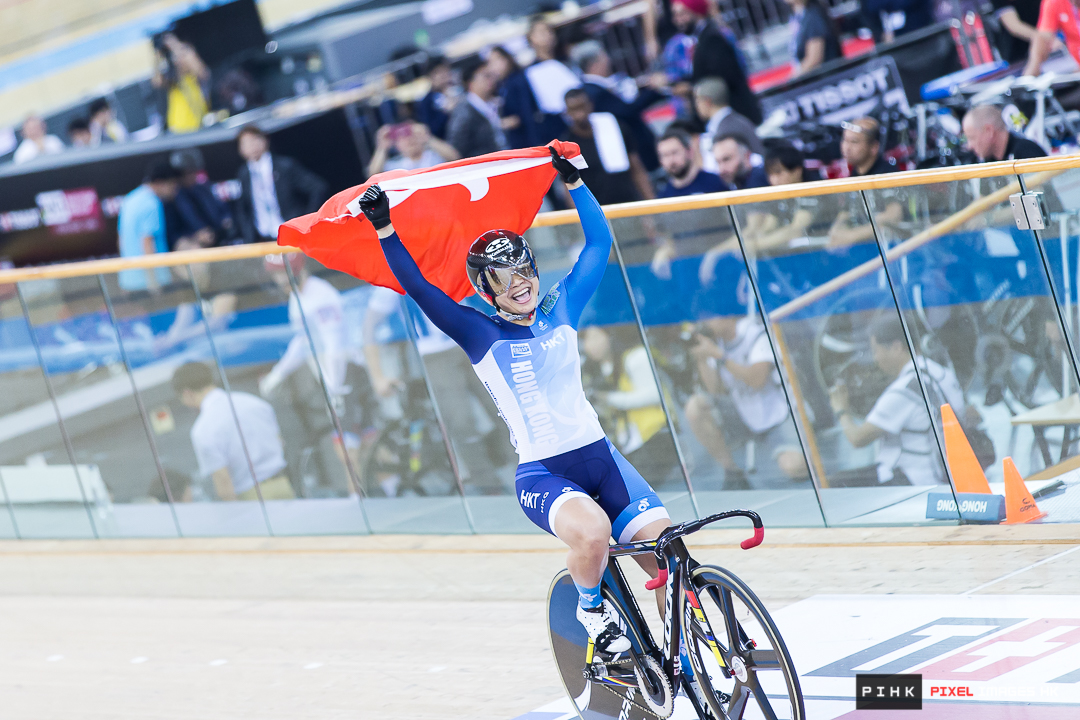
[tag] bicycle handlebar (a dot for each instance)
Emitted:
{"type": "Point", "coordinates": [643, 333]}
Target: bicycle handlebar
{"type": "Point", "coordinates": [677, 531]}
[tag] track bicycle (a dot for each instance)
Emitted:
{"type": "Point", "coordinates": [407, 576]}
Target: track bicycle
{"type": "Point", "coordinates": [742, 671]}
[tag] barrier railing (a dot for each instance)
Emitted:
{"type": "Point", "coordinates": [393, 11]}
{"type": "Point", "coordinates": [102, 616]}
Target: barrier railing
{"type": "Point", "coordinates": [787, 349]}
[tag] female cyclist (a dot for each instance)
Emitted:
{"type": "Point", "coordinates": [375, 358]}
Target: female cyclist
{"type": "Point", "coordinates": [571, 481]}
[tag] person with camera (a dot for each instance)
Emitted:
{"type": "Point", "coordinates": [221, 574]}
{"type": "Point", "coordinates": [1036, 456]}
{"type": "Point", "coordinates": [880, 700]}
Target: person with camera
{"type": "Point", "coordinates": [184, 79]}
{"type": "Point", "coordinates": [907, 452]}
{"type": "Point", "coordinates": [416, 148]}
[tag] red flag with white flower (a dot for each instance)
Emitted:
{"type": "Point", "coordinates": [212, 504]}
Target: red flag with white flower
{"type": "Point", "coordinates": [437, 212]}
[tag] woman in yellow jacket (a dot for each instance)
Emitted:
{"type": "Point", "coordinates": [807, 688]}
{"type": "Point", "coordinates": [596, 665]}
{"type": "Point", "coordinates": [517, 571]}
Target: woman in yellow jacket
{"type": "Point", "coordinates": [182, 74]}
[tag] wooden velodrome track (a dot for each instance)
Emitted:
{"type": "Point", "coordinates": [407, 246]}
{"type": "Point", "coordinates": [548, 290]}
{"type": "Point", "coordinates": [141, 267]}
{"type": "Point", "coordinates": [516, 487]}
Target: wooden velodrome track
{"type": "Point", "coordinates": [395, 627]}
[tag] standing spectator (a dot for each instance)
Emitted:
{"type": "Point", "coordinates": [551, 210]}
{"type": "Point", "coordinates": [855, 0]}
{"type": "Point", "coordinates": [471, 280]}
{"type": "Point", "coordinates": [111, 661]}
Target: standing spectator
{"type": "Point", "coordinates": [814, 39]}
{"type": "Point", "coordinates": [475, 127]}
{"type": "Point", "coordinates": [548, 79]}
{"type": "Point", "coordinates": [989, 138]}
{"type": "Point", "coordinates": [615, 173]}
{"type": "Point", "coordinates": [733, 164]}
{"type": "Point", "coordinates": [514, 92]}
{"type": "Point", "coordinates": [273, 188]}
{"type": "Point", "coordinates": [142, 226]}
{"type": "Point", "coordinates": [79, 133]}
{"type": "Point", "coordinates": [36, 141]}
{"type": "Point", "coordinates": [1056, 17]}
{"type": "Point", "coordinates": [715, 55]}
{"type": "Point", "coordinates": [915, 15]}
{"type": "Point", "coordinates": [417, 148]}
{"type": "Point", "coordinates": [684, 174]}
{"type": "Point", "coordinates": [104, 126]}
{"type": "Point", "coordinates": [185, 80]}
{"type": "Point", "coordinates": [196, 218]}
{"type": "Point", "coordinates": [225, 443]}
{"type": "Point", "coordinates": [1018, 20]}
{"type": "Point", "coordinates": [860, 147]}
{"type": "Point", "coordinates": [434, 108]}
{"type": "Point", "coordinates": [711, 101]}
{"type": "Point", "coordinates": [623, 100]}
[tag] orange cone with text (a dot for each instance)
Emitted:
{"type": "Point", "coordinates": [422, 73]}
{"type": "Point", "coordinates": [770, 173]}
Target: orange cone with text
{"type": "Point", "coordinates": [1020, 507]}
{"type": "Point", "coordinates": [967, 473]}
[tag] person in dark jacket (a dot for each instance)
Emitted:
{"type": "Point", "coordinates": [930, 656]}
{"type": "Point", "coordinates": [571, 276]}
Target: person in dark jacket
{"type": "Point", "coordinates": [434, 108]}
{"type": "Point", "coordinates": [917, 15]}
{"type": "Point", "coordinates": [196, 217]}
{"type": "Point", "coordinates": [273, 188]}
{"type": "Point", "coordinates": [475, 127]}
{"type": "Point", "coordinates": [715, 56]}
{"type": "Point", "coordinates": [989, 138]}
{"type": "Point", "coordinates": [597, 82]}
{"type": "Point", "coordinates": [814, 36]}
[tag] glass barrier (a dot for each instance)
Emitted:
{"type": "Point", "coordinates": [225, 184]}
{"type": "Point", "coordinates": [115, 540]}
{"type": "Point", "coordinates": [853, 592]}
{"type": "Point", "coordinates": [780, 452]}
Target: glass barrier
{"type": "Point", "coordinates": [102, 478]}
{"type": "Point", "coordinates": [713, 358]}
{"type": "Point", "coordinates": [818, 270]}
{"type": "Point", "coordinates": [1048, 424]}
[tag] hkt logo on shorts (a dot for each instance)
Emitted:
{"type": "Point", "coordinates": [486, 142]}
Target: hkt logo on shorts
{"type": "Point", "coordinates": [528, 499]}
{"type": "Point", "coordinates": [520, 350]}
{"type": "Point", "coordinates": [888, 692]}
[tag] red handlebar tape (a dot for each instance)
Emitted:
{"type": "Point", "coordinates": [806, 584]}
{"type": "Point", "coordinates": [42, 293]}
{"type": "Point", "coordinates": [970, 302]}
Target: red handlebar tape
{"type": "Point", "coordinates": [759, 535]}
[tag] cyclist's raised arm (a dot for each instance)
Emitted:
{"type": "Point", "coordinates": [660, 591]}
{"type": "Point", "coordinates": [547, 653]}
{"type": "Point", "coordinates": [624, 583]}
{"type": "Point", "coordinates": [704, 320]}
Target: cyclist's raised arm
{"type": "Point", "coordinates": [470, 329]}
{"type": "Point", "coordinates": [588, 271]}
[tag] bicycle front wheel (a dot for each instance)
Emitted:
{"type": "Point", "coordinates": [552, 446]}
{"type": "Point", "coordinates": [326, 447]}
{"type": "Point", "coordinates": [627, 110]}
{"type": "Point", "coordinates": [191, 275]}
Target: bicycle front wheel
{"type": "Point", "coordinates": [740, 662]}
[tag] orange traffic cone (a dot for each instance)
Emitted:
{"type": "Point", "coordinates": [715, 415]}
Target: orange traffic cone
{"type": "Point", "coordinates": [1020, 507]}
{"type": "Point", "coordinates": [967, 473]}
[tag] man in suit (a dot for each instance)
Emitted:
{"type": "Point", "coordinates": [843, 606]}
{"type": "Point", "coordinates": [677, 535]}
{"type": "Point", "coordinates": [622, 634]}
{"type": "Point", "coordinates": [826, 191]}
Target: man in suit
{"type": "Point", "coordinates": [623, 100]}
{"type": "Point", "coordinates": [273, 188]}
{"type": "Point", "coordinates": [715, 55]}
{"type": "Point", "coordinates": [475, 127]}
{"type": "Point", "coordinates": [713, 105]}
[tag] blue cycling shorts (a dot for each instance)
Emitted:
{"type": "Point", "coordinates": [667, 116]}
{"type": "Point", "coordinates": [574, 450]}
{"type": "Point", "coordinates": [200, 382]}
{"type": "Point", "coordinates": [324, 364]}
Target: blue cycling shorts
{"type": "Point", "coordinates": [597, 471]}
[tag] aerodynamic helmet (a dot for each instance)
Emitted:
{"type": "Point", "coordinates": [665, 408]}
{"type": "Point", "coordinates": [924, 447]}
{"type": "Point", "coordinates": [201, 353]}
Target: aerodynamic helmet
{"type": "Point", "coordinates": [493, 260]}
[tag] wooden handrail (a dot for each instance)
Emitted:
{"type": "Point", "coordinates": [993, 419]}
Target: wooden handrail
{"type": "Point", "coordinates": [567, 217]}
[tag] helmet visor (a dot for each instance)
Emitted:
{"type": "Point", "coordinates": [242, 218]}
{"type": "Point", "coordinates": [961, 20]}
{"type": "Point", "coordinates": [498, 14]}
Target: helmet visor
{"type": "Point", "coordinates": [501, 278]}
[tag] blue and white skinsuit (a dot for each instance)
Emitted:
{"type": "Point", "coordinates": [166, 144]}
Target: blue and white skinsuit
{"type": "Point", "coordinates": [534, 376]}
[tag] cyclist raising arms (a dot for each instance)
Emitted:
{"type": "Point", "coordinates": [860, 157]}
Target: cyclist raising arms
{"type": "Point", "coordinates": [571, 481]}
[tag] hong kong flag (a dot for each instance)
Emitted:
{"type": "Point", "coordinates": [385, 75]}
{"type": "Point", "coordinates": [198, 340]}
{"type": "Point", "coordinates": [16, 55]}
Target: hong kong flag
{"type": "Point", "coordinates": [437, 213]}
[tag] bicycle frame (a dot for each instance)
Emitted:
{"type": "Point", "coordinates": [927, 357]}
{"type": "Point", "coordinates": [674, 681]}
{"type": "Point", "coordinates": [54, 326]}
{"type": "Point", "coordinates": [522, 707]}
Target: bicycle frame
{"type": "Point", "coordinates": [670, 552]}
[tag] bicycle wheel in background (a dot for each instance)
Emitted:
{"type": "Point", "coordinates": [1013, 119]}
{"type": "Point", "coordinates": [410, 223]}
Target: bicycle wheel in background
{"type": "Point", "coordinates": [761, 683]}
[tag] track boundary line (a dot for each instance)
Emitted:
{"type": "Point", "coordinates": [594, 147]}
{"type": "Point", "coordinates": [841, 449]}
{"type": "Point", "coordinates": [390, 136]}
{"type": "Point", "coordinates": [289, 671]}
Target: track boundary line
{"type": "Point", "coordinates": [1014, 573]}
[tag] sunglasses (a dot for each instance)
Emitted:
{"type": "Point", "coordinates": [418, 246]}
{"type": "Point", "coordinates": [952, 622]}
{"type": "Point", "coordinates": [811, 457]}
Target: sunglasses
{"type": "Point", "coordinates": [500, 279]}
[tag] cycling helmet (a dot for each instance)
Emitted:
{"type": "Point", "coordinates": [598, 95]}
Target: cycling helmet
{"type": "Point", "coordinates": [494, 258]}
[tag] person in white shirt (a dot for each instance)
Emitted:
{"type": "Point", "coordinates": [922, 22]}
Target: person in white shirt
{"type": "Point", "coordinates": [742, 401]}
{"type": "Point", "coordinates": [36, 141]}
{"type": "Point", "coordinates": [907, 452]}
{"type": "Point", "coordinates": [241, 453]}
{"type": "Point", "coordinates": [417, 148]}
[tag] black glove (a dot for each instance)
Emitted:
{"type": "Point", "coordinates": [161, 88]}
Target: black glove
{"type": "Point", "coordinates": [565, 168]}
{"type": "Point", "coordinates": [376, 206]}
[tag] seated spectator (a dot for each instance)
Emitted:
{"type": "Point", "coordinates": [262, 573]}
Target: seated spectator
{"type": "Point", "coordinates": [622, 99]}
{"type": "Point", "coordinates": [620, 383]}
{"type": "Point", "coordinates": [683, 172]}
{"type": "Point", "coordinates": [185, 80]}
{"type": "Point", "coordinates": [416, 147]}
{"type": "Point", "coordinates": [907, 452]}
{"type": "Point", "coordinates": [227, 446]}
{"type": "Point", "coordinates": [36, 141]}
{"type": "Point", "coordinates": [79, 133]}
{"type": "Point", "coordinates": [475, 127]}
{"type": "Point", "coordinates": [615, 173]}
{"type": "Point", "coordinates": [715, 55]}
{"type": "Point", "coordinates": [104, 126]}
{"type": "Point", "coordinates": [712, 105]}
{"type": "Point", "coordinates": [196, 218]}
{"type": "Point", "coordinates": [273, 188]}
{"type": "Point", "coordinates": [141, 226]}
{"type": "Point", "coordinates": [860, 146]}
{"type": "Point", "coordinates": [989, 138]}
{"type": "Point", "coordinates": [815, 38]}
{"type": "Point", "coordinates": [742, 400]}
{"type": "Point", "coordinates": [434, 108]}
{"type": "Point", "coordinates": [733, 163]}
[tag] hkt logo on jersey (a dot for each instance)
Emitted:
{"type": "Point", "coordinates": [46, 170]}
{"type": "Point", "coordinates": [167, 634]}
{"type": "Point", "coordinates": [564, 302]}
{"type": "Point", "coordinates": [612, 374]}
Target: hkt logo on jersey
{"type": "Point", "coordinates": [555, 341]}
{"type": "Point", "coordinates": [520, 350]}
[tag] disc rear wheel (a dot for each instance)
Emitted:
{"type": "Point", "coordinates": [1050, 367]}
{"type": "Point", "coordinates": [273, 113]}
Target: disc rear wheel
{"type": "Point", "coordinates": [740, 662]}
